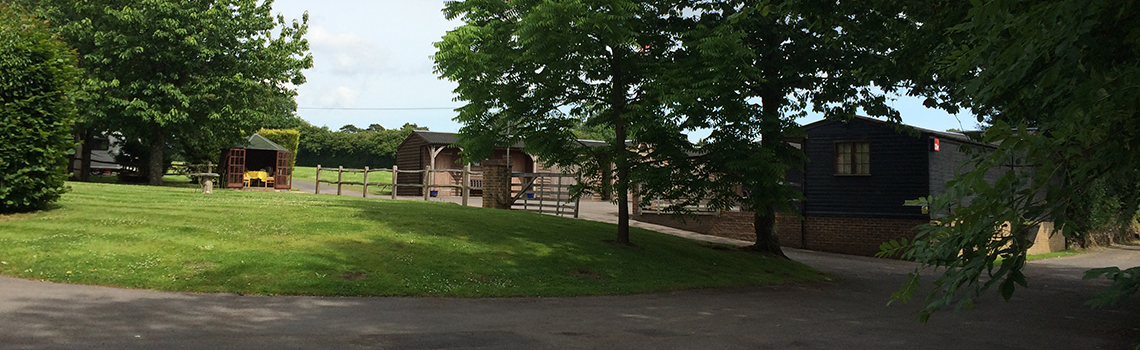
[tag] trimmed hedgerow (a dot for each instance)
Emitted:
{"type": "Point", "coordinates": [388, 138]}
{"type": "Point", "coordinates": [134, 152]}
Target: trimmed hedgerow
{"type": "Point", "coordinates": [288, 138]}
{"type": "Point", "coordinates": [37, 79]}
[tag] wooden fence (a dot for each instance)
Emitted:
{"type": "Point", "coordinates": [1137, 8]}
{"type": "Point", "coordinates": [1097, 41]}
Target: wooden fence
{"type": "Point", "coordinates": [427, 176]}
{"type": "Point", "coordinates": [546, 193]}
{"type": "Point", "coordinates": [538, 192]}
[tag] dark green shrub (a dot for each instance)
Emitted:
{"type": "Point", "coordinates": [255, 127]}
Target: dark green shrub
{"type": "Point", "coordinates": [37, 75]}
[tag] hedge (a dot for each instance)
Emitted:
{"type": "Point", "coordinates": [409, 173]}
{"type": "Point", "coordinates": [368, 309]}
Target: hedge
{"type": "Point", "coordinates": [37, 83]}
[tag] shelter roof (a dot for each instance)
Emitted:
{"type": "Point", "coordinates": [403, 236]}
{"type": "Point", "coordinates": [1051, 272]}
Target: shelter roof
{"type": "Point", "coordinates": [258, 142]}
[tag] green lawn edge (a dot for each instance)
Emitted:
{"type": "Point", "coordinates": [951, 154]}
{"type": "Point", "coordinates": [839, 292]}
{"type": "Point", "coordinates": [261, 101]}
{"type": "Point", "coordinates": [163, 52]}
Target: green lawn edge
{"type": "Point", "coordinates": [281, 243]}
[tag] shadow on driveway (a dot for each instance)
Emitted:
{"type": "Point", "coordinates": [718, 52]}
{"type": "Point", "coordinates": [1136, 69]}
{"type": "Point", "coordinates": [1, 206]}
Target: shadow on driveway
{"type": "Point", "coordinates": [849, 314]}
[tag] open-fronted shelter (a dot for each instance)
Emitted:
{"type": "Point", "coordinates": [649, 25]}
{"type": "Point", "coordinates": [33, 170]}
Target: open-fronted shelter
{"type": "Point", "coordinates": [257, 154]}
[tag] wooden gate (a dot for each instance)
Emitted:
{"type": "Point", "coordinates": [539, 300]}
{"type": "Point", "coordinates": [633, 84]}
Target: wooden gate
{"type": "Point", "coordinates": [284, 169]}
{"type": "Point", "coordinates": [235, 168]}
{"type": "Point", "coordinates": [544, 193]}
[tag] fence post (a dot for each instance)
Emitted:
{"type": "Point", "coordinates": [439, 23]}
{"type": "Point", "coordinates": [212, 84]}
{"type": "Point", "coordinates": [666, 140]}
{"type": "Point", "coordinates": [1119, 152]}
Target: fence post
{"type": "Point", "coordinates": [318, 190]}
{"type": "Point", "coordinates": [577, 201]}
{"type": "Point", "coordinates": [339, 178]}
{"type": "Point", "coordinates": [395, 174]}
{"type": "Point", "coordinates": [466, 183]}
{"type": "Point", "coordinates": [365, 182]}
{"type": "Point", "coordinates": [427, 177]}
{"type": "Point", "coordinates": [559, 196]}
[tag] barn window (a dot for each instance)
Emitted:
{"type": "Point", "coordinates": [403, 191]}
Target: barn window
{"type": "Point", "coordinates": [852, 158]}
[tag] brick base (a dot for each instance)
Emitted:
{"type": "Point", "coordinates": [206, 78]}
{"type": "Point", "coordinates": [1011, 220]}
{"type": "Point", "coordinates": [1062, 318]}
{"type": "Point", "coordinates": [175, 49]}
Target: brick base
{"type": "Point", "coordinates": [856, 236]}
{"type": "Point", "coordinates": [846, 235]}
{"type": "Point", "coordinates": [730, 224]}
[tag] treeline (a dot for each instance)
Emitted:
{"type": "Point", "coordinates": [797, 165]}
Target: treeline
{"type": "Point", "coordinates": [351, 146]}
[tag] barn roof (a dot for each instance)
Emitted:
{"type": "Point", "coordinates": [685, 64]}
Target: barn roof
{"type": "Point", "coordinates": [943, 134]}
{"type": "Point", "coordinates": [258, 142]}
{"type": "Point", "coordinates": [445, 138]}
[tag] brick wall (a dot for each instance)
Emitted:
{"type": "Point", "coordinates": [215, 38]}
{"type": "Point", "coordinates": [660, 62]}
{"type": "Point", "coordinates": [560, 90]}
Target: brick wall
{"type": "Point", "coordinates": [496, 184]}
{"type": "Point", "coordinates": [846, 235]}
{"type": "Point", "coordinates": [729, 224]}
{"type": "Point", "coordinates": [856, 236]}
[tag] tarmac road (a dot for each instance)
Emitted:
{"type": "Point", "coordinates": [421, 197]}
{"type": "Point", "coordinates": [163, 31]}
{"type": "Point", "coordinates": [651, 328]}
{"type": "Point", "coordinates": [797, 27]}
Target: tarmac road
{"type": "Point", "coordinates": [847, 314]}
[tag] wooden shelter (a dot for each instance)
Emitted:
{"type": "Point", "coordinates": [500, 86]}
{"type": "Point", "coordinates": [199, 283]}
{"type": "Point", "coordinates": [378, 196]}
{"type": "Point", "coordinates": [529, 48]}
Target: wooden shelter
{"type": "Point", "coordinates": [257, 154]}
{"type": "Point", "coordinates": [422, 149]}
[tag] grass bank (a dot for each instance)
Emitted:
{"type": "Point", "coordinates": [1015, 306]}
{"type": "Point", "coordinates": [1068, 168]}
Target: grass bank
{"type": "Point", "coordinates": [292, 243]}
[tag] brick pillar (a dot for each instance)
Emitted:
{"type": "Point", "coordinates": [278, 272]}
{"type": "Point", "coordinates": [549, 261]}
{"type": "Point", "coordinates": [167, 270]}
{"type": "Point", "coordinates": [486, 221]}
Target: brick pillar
{"type": "Point", "coordinates": [496, 184]}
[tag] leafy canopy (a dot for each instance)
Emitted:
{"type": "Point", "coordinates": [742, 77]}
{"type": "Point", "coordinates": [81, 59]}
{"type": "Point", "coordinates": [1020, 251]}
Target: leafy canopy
{"type": "Point", "coordinates": [192, 76]}
{"type": "Point", "coordinates": [1057, 82]}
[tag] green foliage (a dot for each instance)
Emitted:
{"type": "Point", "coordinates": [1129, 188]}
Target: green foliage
{"type": "Point", "coordinates": [180, 240]}
{"type": "Point", "coordinates": [37, 79]}
{"type": "Point", "coordinates": [351, 147]}
{"type": "Point", "coordinates": [1056, 79]}
{"type": "Point", "coordinates": [290, 139]}
{"type": "Point", "coordinates": [192, 76]}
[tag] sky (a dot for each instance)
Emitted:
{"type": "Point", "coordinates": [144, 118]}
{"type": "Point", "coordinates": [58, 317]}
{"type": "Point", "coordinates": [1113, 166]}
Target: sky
{"type": "Point", "coordinates": [372, 65]}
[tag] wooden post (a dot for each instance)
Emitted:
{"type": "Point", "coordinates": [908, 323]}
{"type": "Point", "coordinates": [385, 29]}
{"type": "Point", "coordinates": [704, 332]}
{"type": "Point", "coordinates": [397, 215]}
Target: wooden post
{"type": "Point", "coordinates": [466, 183]}
{"type": "Point", "coordinates": [578, 201]}
{"type": "Point", "coordinates": [395, 174]}
{"type": "Point", "coordinates": [339, 178]}
{"type": "Point", "coordinates": [559, 197]}
{"type": "Point", "coordinates": [318, 190]}
{"type": "Point", "coordinates": [365, 182]}
{"type": "Point", "coordinates": [427, 188]}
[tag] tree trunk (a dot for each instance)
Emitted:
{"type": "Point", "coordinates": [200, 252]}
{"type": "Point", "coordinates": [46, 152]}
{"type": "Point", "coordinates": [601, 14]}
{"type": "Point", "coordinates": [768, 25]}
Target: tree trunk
{"type": "Point", "coordinates": [621, 158]}
{"type": "Point", "coordinates": [767, 240]}
{"type": "Point", "coordinates": [85, 157]}
{"type": "Point", "coordinates": [764, 219]}
{"type": "Point", "coordinates": [607, 168]}
{"type": "Point", "coordinates": [157, 147]}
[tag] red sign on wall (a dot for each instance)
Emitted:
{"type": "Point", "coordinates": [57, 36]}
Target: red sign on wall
{"type": "Point", "coordinates": [936, 147]}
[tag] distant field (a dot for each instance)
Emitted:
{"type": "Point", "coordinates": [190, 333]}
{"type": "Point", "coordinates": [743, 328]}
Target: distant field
{"type": "Point", "coordinates": [271, 243]}
{"type": "Point", "coordinates": [309, 174]}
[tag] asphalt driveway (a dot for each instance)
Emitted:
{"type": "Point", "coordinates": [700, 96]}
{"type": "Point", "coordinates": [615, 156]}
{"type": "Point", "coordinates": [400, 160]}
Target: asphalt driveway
{"type": "Point", "coordinates": [847, 314]}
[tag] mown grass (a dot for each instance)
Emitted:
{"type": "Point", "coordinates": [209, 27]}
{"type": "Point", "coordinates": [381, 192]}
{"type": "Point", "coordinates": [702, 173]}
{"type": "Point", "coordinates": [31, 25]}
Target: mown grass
{"type": "Point", "coordinates": [309, 174]}
{"type": "Point", "coordinates": [1031, 257]}
{"type": "Point", "coordinates": [1069, 252]}
{"type": "Point", "coordinates": [293, 243]}
{"type": "Point", "coordinates": [167, 180]}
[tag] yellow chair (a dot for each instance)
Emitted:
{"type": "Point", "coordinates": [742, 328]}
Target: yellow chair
{"type": "Point", "coordinates": [268, 181]}
{"type": "Point", "coordinates": [245, 179]}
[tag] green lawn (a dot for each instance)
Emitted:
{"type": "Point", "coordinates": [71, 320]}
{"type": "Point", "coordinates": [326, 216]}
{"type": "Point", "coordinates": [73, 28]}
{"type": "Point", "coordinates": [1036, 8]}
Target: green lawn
{"type": "Point", "coordinates": [1063, 253]}
{"type": "Point", "coordinates": [270, 243]}
{"type": "Point", "coordinates": [309, 174]}
{"type": "Point", "coordinates": [167, 180]}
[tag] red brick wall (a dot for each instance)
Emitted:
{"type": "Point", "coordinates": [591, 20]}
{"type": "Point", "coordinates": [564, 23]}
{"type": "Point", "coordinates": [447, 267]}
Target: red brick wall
{"type": "Point", "coordinates": [856, 236]}
{"type": "Point", "coordinates": [729, 224]}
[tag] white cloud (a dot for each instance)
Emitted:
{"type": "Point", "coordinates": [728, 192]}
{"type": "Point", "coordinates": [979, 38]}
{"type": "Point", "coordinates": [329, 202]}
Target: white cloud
{"type": "Point", "coordinates": [346, 53]}
{"type": "Point", "coordinates": [341, 97]}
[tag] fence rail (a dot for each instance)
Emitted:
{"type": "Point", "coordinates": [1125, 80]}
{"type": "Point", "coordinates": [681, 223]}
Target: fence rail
{"type": "Point", "coordinates": [538, 192]}
{"type": "Point", "coordinates": [427, 176]}
{"type": "Point", "coordinates": [545, 193]}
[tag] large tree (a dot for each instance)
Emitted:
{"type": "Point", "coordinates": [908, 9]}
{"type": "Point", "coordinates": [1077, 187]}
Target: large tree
{"type": "Point", "coordinates": [182, 75]}
{"type": "Point", "coordinates": [748, 69]}
{"type": "Point", "coordinates": [535, 69]}
{"type": "Point", "coordinates": [1056, 82]}
{"type": "Point", "coordinates": [37, 108]}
